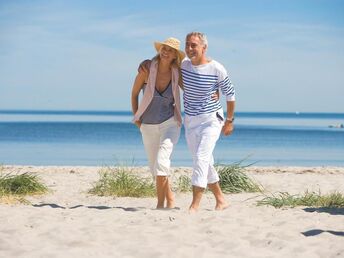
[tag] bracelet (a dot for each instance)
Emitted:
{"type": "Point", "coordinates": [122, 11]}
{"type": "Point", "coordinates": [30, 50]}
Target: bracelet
{"type": "Point", "coordinates": [230, 120]}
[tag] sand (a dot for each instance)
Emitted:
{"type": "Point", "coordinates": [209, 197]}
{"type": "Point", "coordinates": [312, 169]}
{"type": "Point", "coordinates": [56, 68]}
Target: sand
{"type": "Point", "coordinates": [69, 222]}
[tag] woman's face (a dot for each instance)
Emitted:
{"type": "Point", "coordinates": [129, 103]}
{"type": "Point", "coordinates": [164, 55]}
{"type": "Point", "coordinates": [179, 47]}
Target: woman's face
{"type": "Point", "coordinates": [167, 53]}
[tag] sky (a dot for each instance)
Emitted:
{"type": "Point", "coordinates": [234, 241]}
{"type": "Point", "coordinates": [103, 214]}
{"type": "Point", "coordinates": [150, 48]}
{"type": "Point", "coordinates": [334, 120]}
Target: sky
{"type": "Point", "coordinates": [281, 55]}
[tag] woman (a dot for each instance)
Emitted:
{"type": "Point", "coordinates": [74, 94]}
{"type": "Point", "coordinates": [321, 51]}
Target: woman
{"type": "Point", "coordinates": [158, 114]}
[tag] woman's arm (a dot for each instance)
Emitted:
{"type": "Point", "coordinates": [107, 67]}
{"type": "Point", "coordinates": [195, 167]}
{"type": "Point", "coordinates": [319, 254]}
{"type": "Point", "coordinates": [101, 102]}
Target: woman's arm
{"type": "Point", "coordinates": [135, 92]}
{"type": "Point", "coordinates": [180, 82]}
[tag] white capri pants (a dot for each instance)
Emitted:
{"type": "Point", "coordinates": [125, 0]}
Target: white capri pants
{"type": "Point", "coordinates": [202, 133]}
{"type": "Point", "coordinates": [159, 141]}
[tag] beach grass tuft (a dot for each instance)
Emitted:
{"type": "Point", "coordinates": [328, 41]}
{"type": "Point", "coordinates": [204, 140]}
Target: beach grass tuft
{"type": "Point", "coordinates": [183, 184]}
{"type": "Point", "coordinates": [309, 199]}
{"type": "Point", "coordinates": [122, 182]}
{"type": "Point", "coordinates": [234, 180]}
{"type": "Point", "coordinates": [21, 184]}
{"type": "Point", "coordinates": [13, 188]}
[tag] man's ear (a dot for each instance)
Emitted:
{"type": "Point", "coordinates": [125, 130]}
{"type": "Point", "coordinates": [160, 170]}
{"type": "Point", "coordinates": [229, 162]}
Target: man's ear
{"type": "Point", "coordinates": [205, 48]}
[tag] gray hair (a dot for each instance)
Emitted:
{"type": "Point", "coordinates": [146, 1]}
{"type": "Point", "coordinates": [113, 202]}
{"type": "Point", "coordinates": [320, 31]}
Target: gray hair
{"type": "Point", "coordinates": [200, 35]}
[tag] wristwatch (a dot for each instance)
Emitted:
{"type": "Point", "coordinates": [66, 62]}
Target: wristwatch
{"type": "Point", "coordinates": [230, 120]}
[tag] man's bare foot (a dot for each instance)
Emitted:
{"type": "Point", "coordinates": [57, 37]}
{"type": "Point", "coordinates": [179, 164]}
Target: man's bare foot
{"type": "Point", "coordinates": [160, 207]}
{"type": "Point", "coordinates": [192, 209]}
{"type": "Point", "coordinates": [221, 206]}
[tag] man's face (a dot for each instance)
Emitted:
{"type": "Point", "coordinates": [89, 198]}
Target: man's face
{"type": "Point", "coordinates": [194, 49]}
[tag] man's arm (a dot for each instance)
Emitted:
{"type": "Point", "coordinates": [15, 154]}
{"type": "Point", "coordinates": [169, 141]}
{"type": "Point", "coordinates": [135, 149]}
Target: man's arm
{"type": "Point", "coordinates": [228, 127]}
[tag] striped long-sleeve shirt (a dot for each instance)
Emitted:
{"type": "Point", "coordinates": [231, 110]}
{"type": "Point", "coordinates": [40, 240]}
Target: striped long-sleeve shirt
{"type": "Point", "coordinates": [200, 83]}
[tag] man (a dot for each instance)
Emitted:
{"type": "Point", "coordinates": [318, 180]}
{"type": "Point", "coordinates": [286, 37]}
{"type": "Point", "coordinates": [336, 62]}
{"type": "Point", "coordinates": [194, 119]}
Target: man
{"type": "Point", "coordinates": [204, 119]}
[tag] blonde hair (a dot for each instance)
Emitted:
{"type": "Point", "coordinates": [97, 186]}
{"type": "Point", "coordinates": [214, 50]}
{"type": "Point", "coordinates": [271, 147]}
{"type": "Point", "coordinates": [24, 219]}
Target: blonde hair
{"type": "Point", "coordinates": [177, 61]}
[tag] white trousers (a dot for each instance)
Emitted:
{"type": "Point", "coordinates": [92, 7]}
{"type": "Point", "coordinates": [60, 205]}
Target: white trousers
{"type": "Point", "coordinates": [159, 141]}
{"type": "Point", "coordinates": [202, 133]}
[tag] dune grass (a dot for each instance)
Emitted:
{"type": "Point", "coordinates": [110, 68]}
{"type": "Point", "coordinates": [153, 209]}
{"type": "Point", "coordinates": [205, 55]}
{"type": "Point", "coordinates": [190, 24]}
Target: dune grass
{"type": "Point", "coordinates": [234, 180]}
{"type": "Point", "coordinates": [183, 184]}
{"type": "Point", "coordinates": [13, 188]}
{"type": "Point", "coordinates": [309, 199]}
{"type": "Point", "coordinates": [23, 184]}
{"type": "Point", "coordinates": [121, 182]}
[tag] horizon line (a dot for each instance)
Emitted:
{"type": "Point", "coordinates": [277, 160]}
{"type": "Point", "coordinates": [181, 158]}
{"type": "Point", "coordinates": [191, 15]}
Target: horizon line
{"type": "Point", "coordinates": [128, 112]}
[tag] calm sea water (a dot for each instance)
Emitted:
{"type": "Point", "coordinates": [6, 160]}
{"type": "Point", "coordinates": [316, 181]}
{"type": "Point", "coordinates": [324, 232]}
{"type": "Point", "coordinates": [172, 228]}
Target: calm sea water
{"type": "Point", "coordinates": [108, 138]}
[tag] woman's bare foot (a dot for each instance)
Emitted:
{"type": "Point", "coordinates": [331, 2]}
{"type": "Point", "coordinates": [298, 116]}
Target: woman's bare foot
{"type": "Point", "coordinates": [159, 207]}
{"type": "Point", "coordinates": [170, 204]}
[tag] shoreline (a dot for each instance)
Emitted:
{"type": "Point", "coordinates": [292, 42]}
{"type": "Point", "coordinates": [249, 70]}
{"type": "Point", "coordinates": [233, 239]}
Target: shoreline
{"type": "Point", "coordinates": [69, 222]}
{"type": "Point", "coordinates": [248, 169]}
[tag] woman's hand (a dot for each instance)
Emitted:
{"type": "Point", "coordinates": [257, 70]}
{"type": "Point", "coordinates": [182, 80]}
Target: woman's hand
{"type": "Point", "coordinates": [216, 95]}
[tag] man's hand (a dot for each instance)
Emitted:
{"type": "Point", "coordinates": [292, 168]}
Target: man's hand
{"type": "Point", "coordinates": [138, 124]}
{"type": "Point", "coordinates": [227, 128]}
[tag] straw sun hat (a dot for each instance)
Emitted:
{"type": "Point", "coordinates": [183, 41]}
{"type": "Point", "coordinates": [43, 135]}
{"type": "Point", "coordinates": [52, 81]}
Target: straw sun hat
{"type": "Point", "coordinates": [173, 43]}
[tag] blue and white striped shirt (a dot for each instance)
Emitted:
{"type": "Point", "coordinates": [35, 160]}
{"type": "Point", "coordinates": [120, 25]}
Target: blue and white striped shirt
{"type": "Point", "coordinates": [200, 83]}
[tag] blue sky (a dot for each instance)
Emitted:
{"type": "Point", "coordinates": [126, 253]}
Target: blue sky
{"type": "Point", "coordinates": [83, 55]}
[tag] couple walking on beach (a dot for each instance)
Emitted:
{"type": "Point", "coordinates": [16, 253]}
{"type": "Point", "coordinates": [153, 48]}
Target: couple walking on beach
{"type": "Point", "coordinates": [158, 115]}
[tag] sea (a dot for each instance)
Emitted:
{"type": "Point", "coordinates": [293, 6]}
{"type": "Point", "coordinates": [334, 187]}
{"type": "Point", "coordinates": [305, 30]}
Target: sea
{"type": "Point", "coordinates": [108, 138]}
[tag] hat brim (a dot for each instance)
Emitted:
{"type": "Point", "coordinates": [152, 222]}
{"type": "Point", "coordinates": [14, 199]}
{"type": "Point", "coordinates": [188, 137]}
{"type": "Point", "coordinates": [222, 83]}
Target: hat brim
{"type": "Point", "coordinates": [158, 45]}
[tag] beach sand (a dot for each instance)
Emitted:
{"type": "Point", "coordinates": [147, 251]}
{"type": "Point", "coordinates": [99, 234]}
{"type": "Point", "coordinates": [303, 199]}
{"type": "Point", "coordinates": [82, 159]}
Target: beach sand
{"type": "Point", "coordinates": [69, 222]}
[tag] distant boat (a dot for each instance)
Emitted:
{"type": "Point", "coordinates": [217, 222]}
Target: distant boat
{"type": "Point", "coordinates": [336, 126]}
